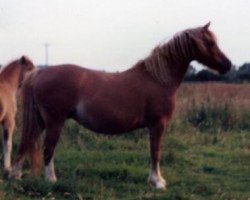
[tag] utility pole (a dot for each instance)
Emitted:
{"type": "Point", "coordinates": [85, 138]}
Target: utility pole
{"type": "Point", "coordinates": [46, 45]}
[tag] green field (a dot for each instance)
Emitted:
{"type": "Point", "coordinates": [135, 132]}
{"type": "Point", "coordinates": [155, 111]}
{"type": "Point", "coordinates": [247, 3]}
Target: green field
{"type": "Point", "coordinates": [205, 155]}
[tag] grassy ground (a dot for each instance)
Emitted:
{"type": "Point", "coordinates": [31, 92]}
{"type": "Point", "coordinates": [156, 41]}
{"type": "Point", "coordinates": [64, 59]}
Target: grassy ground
{"type": "Point", "coordinates": [205, 155]}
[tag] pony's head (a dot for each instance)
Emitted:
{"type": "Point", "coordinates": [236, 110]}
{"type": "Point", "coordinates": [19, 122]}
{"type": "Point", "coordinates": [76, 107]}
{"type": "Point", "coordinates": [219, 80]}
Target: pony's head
{"type": "Point", "coordinates": [26, 63]}
{"type": "Point", "coordinates": [206, 50]}
{"type": "Point", "coordinates": [27, 67]}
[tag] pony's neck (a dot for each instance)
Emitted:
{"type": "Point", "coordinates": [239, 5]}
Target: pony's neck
{"type": "Point", "coordinates": [168, 63]}
{"type": "Point", "coordinates": [11, 75]}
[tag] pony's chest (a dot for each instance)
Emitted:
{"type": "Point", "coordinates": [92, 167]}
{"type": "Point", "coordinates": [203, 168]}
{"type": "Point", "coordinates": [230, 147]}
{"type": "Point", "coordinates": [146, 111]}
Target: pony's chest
{"type": "Point", "coordinates": [160, 108]}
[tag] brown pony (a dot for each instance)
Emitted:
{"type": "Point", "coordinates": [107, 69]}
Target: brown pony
{"type": "Point", "coordinates": [113, 103]}
{"type": "Point", "coordinates": [11, 78]}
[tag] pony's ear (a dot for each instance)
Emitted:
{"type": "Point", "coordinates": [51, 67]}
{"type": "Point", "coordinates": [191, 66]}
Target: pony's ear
{"type": "Point", "coordinates": [23, 60]}
{"type": "Point", "coordinates": [206, 27]}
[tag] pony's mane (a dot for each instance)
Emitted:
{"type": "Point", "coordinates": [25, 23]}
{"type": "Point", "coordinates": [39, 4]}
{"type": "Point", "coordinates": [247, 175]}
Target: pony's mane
{"type": "Point", "coordinates": [164, 56]}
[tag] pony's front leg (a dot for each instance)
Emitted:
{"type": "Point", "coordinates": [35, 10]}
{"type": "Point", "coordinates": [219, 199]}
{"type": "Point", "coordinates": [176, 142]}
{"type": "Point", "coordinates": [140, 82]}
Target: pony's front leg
{"type": "Point", "coordinates": [8, 127]}
{"type": "Point", "coordinates": [155, 177]}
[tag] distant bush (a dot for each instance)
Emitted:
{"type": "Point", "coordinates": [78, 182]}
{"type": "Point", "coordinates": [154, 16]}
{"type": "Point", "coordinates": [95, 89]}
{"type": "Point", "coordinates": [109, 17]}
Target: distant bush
{"type": "Point", "coordinates": [211, 117]}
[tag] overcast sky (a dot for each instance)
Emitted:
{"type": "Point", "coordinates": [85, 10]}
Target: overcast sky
{"type": "Point", "coordinates": [114, 34]}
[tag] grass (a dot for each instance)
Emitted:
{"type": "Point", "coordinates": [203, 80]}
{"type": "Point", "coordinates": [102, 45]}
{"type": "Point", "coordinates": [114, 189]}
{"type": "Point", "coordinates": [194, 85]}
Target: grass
{"type": "Point", "coordinates": [199, 162]}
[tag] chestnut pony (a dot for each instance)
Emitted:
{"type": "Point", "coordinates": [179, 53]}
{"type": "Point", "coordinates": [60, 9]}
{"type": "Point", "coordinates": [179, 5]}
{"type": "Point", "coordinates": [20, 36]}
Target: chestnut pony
{"type": "Point", "coordinates": [11, 77]}
{"type": "Point", "coordinates": [113, 103]}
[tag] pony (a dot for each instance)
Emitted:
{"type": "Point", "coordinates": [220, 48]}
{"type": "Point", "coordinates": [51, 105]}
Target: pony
{"type": "Point", "coordinates": [11, 78]}
{"type": "Point", "coordinates": [112, 103]}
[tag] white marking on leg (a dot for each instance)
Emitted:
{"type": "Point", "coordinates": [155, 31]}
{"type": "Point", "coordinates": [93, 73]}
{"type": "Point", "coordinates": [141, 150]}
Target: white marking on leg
{"type": "Point", "coordinates": [7, 147]}
{"type": "Point", "coordinates": [156, 179]}
{"type": "Point", "coordinates": [50, 171]}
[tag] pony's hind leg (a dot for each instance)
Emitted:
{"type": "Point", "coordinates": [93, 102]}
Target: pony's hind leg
{"type": "Point", "coordinates": [155, 177]}
{"type": "Point", "coordinates": [16, 172]}
{"type": "Point", "coordinates": [52, 136]}
{"type": "Point", "coordinates": [50, 171]}
{"type": "Point", "coordinates": [32, 146]}
{"type": "Point", "coordinates": [8, 128]}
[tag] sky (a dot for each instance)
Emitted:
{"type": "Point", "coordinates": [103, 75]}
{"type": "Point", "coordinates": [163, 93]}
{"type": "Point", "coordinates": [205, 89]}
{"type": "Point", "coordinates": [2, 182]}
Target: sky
{"type": "Point", "coordinates": [113, 35]}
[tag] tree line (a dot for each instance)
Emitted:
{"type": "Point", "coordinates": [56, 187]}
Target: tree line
{"type": "Point", "coordinates": [240, 75]}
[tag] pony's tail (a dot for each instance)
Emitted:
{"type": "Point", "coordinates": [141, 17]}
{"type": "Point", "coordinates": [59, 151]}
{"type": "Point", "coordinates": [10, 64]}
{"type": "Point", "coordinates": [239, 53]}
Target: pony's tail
{"type": "Point", "coordinates": [33, 125]}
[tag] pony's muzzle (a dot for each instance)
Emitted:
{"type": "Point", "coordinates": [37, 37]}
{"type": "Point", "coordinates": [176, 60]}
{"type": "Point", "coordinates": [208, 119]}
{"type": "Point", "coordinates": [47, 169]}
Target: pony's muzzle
{"type": "Point", "coordinates": [226, 65]}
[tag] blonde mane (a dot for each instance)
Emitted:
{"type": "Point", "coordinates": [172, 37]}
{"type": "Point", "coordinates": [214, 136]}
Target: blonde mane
{"type": "Point", "coordinates": [164, 57]}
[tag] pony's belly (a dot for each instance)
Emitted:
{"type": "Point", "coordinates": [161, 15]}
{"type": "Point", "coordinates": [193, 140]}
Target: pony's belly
{"type": "Point", "coordinates": [104, 125]}
{"type": "Point", "coordinates": [109, 116]}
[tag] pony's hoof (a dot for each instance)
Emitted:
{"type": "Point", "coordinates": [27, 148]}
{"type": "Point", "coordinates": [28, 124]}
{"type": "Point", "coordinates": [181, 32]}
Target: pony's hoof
{"type": "Point", "coordinates": [7, 170]}
{"type": "Point", "coordinates": [158, 184]}
{"type": "Point", "coordinates": [15, 175]}
{"type": "Point", "coordinates": [51, 179]}
{"type": "Point", "coordinates": [6, 173]}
